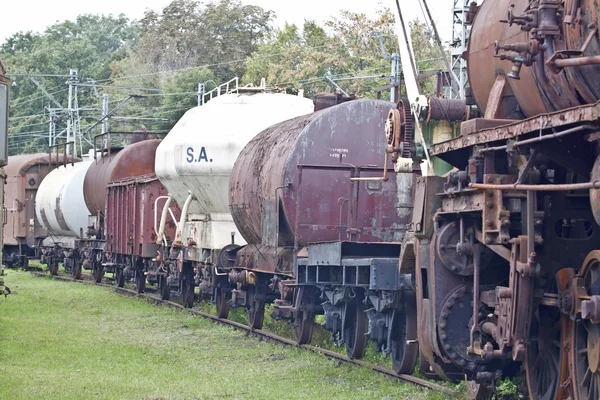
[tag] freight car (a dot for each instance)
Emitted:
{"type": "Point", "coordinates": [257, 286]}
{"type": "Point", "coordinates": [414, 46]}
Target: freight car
{"type": "Point", "coordinates": [23, 232]}
{"type": "Point", "coordinates": [194, 164]}
{"type": "Point", "coordinates": [505, 249]}
{"type": "Point", "coordinates": [312, 200]}
{"type": "Point", "coordinates": [60, 208]}
{"type": "Point", "coordinates": [4, 95]}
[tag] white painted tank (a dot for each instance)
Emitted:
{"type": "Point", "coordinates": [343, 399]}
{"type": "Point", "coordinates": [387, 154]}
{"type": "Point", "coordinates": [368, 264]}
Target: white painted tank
{"type": "Point", "coordinates": [199, 152]}
{"type": "Point", "coordinates": [59, 202]}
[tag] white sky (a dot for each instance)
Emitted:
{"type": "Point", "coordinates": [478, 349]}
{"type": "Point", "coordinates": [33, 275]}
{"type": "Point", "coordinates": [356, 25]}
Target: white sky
{"type": "Point", "coordinates": [36, 15]}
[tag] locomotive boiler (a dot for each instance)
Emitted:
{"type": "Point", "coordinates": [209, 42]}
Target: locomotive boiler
{"type": "Point", "coordinates": [504, 245]}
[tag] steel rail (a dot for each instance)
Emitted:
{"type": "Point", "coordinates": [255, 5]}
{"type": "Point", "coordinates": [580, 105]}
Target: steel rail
{"type": "Point", "coordinates": [377, 368]}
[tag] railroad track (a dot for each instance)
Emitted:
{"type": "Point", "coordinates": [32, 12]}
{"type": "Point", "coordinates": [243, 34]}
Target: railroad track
{"type": "Point", "coordinates": [87, 279]}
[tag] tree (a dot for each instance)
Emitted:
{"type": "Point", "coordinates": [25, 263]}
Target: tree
{"type": "Point", "coordinates": [89, 44]}
{"type": "Point", "coordinates": [348, 47]}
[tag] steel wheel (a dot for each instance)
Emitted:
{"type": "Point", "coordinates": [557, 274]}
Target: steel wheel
{"type": "Point", "coordinates": [304, 319]}
{"type": "Point", "coordinates": [256, 312]}
{"type": "Point", "coordinates": [585, 339]}
{"type": "Point", "coordinates": [188, 294]}
{"type": "Point", "coordinates": [76, 270]}
{"type": "Point", "coordinates": [543, 357]}
{"type": "Point", "coordinates": [99, 274]}
{"type": "Point", "coordinates": [120, 278]}
{"type": "Point", "coordinates": [53, 267]}
{"type": "Point", "coordinates": [165, 290]}
{"type": "Point", "coordinates": [404, 345]}
{"type": "Point", "coordinates": [355, 328]}
{"type": "Point", "coordinates": [140, 281]}
{"type": "Point", "coordinates": [221, 301]}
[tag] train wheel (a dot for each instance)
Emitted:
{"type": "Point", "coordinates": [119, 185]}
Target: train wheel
{"type": "Point", "coordinates": [165, 290]}
{"type": "Point", "coordinates": [404, 346]}
{"type": "Point", "coordinates": [188, 294]}
{"type": "Point", "coordinates": [140, 281]}
{"type": "Point", "coordinates": [304, 319]}
{"type": "Point", "coordinates": [355, 329]}
{"type": "Point", "coordinates": [53, 267]}
{"type": "Point", "coordinates": [256, 312]}
{"type": "Point", "coordinates": [99, 274]}
{"type": "Point", "coordinates": [543, 357]}
{"type": "Point", "coordinates": [221, 301]}
{"type": "Point", "coordinates": [120, 278]}
{"type": "Point", "coordinates": [585, 339]}
{"type": "Point", "coordinates": [76, 271]}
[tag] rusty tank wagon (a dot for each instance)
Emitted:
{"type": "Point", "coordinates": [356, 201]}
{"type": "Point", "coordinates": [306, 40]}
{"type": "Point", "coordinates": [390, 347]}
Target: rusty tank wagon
{"type": "Point", "coordinates": [314, 202]}
{"type": "Point", "coordinates": [505, 245]}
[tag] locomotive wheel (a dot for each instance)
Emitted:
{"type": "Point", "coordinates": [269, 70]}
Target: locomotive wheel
{"type": "Point", "coordinates": [99, 274]}
{"type": "Point", "coordinates": [304, 319]}
{"type": "Point", "coordinates": [543, 356]}
{"type": "Point", "coordinates": [140, 281]}
{"type": "Point", "coordinates": [54, 267]}
{"type": "Point", "coordinates": [76, 271]}
{"type": "Point", "coordinates": [221, 301]}
{"type": "Point", "coordinates": [256, 312]}
{"type": "Point", "coordinates": [187, 294]}
{"type": "Point", "coordinates": [404, 346]}
{"type": "Point", "coordinates": [585, 339]}
{"type": "Point", "coordinates": [165, 290]}
{"type": "Point", "coordinates": [120, 278]}
{"type": "Point", "coordinates": [355, 328]}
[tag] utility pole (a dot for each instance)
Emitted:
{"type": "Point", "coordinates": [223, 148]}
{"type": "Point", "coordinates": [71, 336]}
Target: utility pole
{"type": "Point", "coordinates": [395, 72]}
{"type": "Point", "coordinates": [460, 35]}
{"type": "Point", "coordinates": [72, 123]}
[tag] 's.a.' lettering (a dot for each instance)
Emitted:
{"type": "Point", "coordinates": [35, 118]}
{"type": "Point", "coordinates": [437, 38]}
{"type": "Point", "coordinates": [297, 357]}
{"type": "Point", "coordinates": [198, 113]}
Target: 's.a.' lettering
{"type": "Point", "coordinates": [202, 155]}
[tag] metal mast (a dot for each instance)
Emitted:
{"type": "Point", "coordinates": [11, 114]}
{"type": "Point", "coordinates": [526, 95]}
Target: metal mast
{"type": "Point", "coordinates": [460, 36]}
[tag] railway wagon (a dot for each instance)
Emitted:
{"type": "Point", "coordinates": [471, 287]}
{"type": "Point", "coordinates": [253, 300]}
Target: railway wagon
{"type": "Point", "coordinates": [124, 198]}
{"type": "Point", "coordinates": [4, 107]}
{"type": "Point", "coordinates": [194, 164]}
{"type": "Point", "coordinates": [505, 240]}
{"type": "Point", "coordinates": [23, 231]}
{"type": "Point", "coordinates": [61, 210]}
{"type": "Point", "coordinates": [313, 201]}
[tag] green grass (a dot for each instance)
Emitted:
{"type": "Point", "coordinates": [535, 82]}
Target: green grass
{"type": "Point", "coordinates": [60, 340]}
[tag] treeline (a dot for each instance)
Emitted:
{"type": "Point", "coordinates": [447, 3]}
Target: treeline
{"type": "Point", "coordinates": [185, 44]}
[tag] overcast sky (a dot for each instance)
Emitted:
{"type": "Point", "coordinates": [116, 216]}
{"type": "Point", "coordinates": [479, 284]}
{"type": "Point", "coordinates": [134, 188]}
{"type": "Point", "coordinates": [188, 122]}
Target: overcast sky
{"type": "Point", "coordinates": [36, 15]}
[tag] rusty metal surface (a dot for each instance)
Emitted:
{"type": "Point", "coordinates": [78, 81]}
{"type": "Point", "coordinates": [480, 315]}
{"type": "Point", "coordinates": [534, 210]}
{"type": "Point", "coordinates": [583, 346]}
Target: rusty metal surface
{"type": "Point", "coordinates": [267, 170]}
{"type": "Point", "coordinates": [542, 87]}
{"type": "Point", "coordinates": [134, 160]}
{"type": "Point", "coordinates": [24, 173]}
{"type": "Point", "coordinates": [471, 136]}
{"type": "Point", "coordinates": [131, 215]}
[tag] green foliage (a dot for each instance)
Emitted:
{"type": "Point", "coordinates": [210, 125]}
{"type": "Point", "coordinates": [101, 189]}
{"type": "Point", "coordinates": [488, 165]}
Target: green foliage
{"type": "Point", "coordinates": [89, 44]}
{"type": "Point", "coordinates": [345, 47]}
{"type": "Point", "coordinates": [187, 43]}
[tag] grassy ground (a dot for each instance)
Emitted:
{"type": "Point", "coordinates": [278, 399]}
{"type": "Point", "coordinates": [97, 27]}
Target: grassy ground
{"type": "Point", "coordinates": [60, 340]}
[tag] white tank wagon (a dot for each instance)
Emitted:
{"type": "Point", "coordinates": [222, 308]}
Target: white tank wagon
{"type": "Point", "coordinates": [60, 207]}
{"type": "Point", "coordinates": [195, 160]}
{"type": "Point", "coordinates": [59, 202]}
